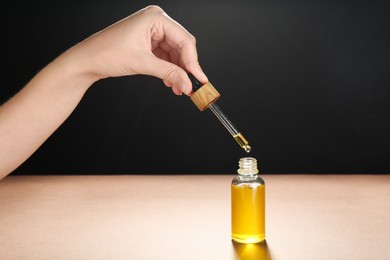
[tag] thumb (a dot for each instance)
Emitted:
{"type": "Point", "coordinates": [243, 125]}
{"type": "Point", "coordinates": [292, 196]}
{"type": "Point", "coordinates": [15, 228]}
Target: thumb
{"type": "Point", "coordinates": [170, 73]}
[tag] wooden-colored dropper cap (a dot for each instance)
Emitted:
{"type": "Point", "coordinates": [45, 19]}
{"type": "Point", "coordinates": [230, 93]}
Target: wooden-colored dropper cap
{"type": "Point", "coordinates": [204, 94]}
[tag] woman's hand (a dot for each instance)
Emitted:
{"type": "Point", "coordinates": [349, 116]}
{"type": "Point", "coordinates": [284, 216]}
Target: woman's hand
{"type": "Point", "coordinates": [147, 42]}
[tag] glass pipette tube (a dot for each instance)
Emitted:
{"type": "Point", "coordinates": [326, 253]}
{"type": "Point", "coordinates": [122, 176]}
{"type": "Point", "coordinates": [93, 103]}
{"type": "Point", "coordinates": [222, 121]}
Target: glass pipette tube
{"type": "Point", "coordinates": [240, 139]}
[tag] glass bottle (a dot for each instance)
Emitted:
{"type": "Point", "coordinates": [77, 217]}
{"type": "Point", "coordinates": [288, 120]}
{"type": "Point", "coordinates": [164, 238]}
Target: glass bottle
{"type": "Point", "coordinates": [248, 203]}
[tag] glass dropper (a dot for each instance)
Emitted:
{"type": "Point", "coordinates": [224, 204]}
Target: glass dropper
{"type": "Point", "coordinates": [240, 139]}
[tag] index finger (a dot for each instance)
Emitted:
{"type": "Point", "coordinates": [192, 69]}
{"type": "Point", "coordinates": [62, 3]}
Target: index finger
{"type": "Point", "coordinates": [178, 37]}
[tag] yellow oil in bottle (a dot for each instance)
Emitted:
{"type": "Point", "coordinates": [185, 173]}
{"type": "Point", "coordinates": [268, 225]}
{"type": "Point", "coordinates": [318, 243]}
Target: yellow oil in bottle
{"type": "Point", "coordinates": [240, 139]}
{"type": "Point", "coordinates": [248, 204]}
{"type": "Point", "coordinates": [248, 213]}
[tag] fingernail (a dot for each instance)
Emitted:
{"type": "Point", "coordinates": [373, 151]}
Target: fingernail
{"type": "Point", "coordinates": [183, 88]}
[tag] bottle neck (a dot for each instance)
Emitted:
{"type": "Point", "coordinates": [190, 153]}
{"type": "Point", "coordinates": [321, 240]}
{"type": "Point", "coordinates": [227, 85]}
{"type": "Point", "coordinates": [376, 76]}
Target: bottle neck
{"type": "Point", "coordinates": [248, 167]}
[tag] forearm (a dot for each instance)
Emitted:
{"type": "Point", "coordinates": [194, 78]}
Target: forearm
{"type": "Point", "coordinates": [147, 42]}
{"type": "Point", "coordinates": [33, 114]}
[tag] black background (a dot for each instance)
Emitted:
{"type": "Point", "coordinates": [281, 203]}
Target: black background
{"type": "Point", "coordinates": [306, 82]}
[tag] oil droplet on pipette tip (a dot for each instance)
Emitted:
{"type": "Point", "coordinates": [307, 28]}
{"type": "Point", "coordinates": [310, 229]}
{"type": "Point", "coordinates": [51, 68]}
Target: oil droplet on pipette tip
{"type": "Point", "coordinates": [247, 148]}
{"type": "Point", "coordinates": [242, 142]}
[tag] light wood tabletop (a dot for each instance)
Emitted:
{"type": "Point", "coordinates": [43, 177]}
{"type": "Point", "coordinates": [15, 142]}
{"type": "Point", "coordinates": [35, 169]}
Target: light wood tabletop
{"type": "Point", "coordinates": [188, 217]}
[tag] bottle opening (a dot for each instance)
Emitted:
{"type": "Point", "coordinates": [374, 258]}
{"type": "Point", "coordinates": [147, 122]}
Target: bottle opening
{"type": "Point", "coordinates": [248, 165]}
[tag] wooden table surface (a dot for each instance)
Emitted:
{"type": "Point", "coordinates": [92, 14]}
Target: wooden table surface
{"type": "Point", "coordinates": [188, 217]}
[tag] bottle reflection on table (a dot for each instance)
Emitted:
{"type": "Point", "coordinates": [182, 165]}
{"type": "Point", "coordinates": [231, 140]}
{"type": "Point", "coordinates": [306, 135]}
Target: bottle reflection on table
{"type": "Point", "coordinates": [254, 251]}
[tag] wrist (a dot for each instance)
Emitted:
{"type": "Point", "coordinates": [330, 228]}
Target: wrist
{"type": "Point", "coordinates": [72, 66]}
